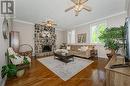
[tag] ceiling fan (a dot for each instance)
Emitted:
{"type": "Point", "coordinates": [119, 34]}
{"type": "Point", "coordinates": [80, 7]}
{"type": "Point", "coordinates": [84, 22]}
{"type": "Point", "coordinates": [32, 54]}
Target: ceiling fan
{"type": "Point", "coordinates": [79, 5]}
{"type": "Point", "coordinates": [49, 23]}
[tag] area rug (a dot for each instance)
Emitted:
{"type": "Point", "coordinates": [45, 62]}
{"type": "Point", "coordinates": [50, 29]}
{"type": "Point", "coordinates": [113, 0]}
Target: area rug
{"type": "Point", "coordinates": [65, 70]}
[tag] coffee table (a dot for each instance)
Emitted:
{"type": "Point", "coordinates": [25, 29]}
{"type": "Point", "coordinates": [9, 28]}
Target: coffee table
{"type": "Point", "coordinates": [64, 58]}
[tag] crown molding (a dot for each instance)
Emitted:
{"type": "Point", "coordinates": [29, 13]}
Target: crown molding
{"type": "Point", "coordinates": [25, 22]}
{"type": "Point", "coordinates": [21, 21]}
{"type": "Point", "coordinates": [116, 14]}
{"type": "Point", "coordinates": [79, 25]}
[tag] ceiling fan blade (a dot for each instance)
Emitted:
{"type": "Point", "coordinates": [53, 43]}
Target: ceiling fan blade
{"type": "Point", "coordinates": [55, 24]}
{"type": "Point", "coordinates": [83, 1]}
{"type": "Point", "coordinates": [77, 2]}
{"type": "Point", "coordinates": [43, 23]}
{"type": "Point", "coordinates": [87, 8]}
{"type": "Point", "coordinates": [74, 1]}
{"type": "Point", "coordinates": [69, 8]}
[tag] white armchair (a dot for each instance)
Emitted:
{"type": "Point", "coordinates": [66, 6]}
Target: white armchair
{"type": "Point", "coordinates": [18, 59]}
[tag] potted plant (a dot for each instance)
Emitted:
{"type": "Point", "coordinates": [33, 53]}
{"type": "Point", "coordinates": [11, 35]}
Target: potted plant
{"type": "Point", "coordinates": [9, 70]}
{"type": "Point", "coordinates": [113, 39]}
{"type": "Point", "coordinates": [21, 71]}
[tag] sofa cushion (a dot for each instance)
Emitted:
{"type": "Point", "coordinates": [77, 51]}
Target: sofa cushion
{"type": "Point", "coordinates": [84, 48]}
{"type": "Point", "coordinates": [68, 47]}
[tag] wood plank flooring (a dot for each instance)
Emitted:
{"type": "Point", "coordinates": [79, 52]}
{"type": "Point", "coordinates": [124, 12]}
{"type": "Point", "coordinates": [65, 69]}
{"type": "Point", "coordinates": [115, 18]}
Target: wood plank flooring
{"type": "Point", "coordinates": [39, 75]}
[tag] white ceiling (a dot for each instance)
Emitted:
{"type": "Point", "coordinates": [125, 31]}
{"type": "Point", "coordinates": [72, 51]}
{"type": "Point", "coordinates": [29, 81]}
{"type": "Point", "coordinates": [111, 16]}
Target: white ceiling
{"type": "Point", "coordinates": [36, 11]}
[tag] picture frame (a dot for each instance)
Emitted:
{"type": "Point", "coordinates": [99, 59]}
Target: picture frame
{"type": "Point", "coordinates": [82, 38]}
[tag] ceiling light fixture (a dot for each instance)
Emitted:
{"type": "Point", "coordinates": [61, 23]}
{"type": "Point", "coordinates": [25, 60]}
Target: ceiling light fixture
{"type": "Point", "coordinates": [49, 23]}
{"type": "Point", "coordinates": [79, 5]}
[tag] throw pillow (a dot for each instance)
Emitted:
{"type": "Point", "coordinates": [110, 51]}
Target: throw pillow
{"type": "Point", "coordinates": [68, 47]}
{"type": "Point", "coordinates": [84, 48]}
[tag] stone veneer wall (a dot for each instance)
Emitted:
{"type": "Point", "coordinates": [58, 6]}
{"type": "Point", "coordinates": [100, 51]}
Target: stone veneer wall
{"type": "Point", "coordinates": [41, 40]}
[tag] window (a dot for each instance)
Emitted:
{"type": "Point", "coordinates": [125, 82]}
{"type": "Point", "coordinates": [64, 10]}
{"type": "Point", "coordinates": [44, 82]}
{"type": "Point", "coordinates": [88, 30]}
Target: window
{"type": "Point", "coordinates": [96, 29]}
{"type": "Point", "coordinates": [71, 36]}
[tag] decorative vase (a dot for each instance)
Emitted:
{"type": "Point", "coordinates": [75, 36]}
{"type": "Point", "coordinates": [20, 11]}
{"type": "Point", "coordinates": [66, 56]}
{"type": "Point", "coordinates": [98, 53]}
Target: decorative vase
{"type": "Point", "coordinates": [20, 73]}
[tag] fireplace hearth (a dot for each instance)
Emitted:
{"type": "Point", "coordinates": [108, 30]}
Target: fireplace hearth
{"type": "Point", "coordinates": [46, 48]}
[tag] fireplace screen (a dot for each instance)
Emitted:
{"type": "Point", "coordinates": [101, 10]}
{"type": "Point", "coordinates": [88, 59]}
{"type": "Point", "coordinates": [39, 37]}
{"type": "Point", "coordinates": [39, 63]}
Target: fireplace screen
{"type": "Point", "coordinates": [46, 48]}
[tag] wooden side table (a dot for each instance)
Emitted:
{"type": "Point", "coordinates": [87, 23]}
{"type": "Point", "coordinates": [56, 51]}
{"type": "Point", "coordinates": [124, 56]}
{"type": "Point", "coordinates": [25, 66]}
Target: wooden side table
{"type": "Point", "coordinates": [93, 53]}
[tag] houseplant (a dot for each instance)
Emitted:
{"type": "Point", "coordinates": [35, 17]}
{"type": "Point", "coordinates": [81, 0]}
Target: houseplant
{"type": "Point", "coordinates": [9, 70]}
{"type": "Point", "coordinates": [113, 38]}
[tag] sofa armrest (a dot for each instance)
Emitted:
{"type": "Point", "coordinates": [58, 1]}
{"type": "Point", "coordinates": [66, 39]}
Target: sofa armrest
{"type": "Point", "coordinates": [86, 53]}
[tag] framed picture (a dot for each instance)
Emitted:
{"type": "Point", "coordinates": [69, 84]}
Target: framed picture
{"type": "Point", "coordinates": [82, 38]}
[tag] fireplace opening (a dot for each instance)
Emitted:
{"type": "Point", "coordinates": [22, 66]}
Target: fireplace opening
{"type": "Point", "coordinates": [46, 48]}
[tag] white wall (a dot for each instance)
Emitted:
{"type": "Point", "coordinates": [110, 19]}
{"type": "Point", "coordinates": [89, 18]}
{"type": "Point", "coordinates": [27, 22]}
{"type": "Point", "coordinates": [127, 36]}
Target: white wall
{"type": "Point", "coordinates": [27, 33]}
{"type": "Point", "coordinates": [3, 49]}
{"type": "Point", "coordinates": [115, 20]}
{"type": "Point", "coordinates": [59, 38]}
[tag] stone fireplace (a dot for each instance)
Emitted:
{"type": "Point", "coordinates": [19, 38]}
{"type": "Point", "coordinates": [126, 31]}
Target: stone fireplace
{"type": "Point", "coordinates": [44, 39]}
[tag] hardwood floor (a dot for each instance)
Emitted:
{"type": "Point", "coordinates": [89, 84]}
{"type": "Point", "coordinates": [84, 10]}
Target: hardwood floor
{"type": "Point", "coordinates": [39, 75]}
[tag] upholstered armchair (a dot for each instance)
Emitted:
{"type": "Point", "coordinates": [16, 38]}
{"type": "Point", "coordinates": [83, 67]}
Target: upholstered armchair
{"type": "Point", "coordinates": [17, 59]}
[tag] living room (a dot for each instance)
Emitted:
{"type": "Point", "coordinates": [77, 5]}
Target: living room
{"type": "Point", "coordinates": [53, 43]}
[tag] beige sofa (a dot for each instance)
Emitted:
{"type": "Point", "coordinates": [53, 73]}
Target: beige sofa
{"type": "Point", "coordinates": [77, 51]}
